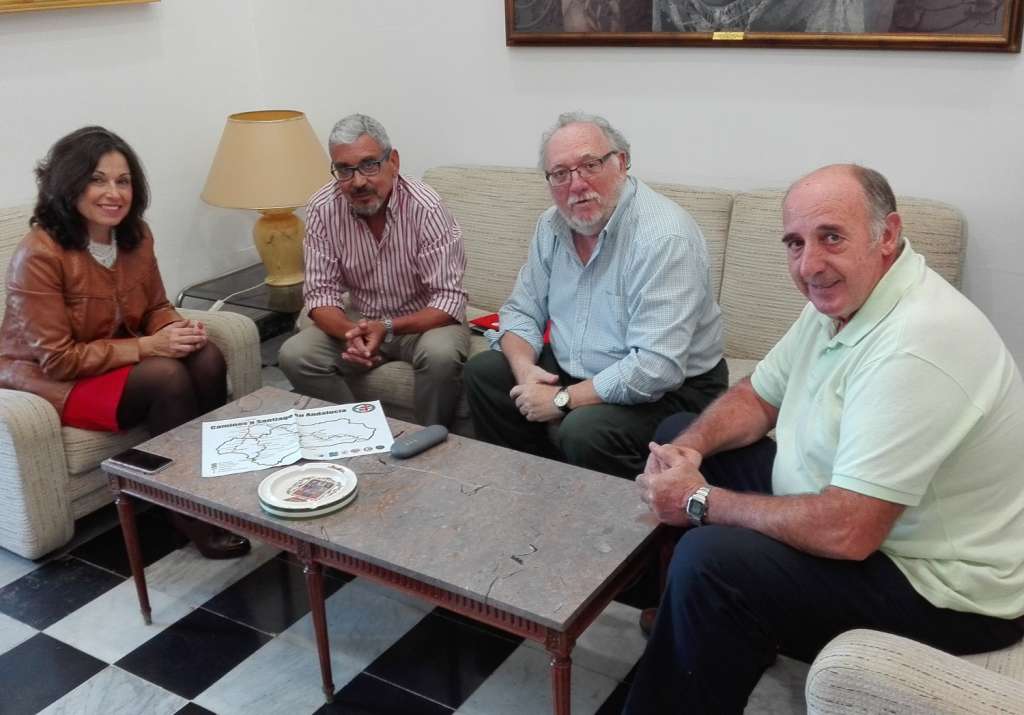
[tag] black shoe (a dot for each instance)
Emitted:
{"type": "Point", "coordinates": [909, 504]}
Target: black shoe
{"type": "Point", "coordinates": [212, 541]}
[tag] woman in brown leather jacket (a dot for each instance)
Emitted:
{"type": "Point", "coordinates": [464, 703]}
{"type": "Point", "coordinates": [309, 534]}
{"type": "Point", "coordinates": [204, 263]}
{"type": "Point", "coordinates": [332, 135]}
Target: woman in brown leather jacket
{"type": "Point", "coordinates": [88, 325]}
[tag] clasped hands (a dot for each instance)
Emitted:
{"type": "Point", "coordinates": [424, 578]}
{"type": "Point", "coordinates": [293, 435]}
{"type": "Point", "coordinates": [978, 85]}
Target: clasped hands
{"type": "Point", "coordinates": [363, 343]}
{"type": "Point", "coordinates": [175, 340]}
{"type": "Point", "coordinates": [671, 475]}
{"type": "Point", "coordinates": [534, 394]}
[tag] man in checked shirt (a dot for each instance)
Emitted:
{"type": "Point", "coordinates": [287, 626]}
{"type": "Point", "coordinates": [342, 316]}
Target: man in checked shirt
{"type": "Point", "coordinates": [623, 275]}
{"type": "Point", "coordinates": [391, 243]}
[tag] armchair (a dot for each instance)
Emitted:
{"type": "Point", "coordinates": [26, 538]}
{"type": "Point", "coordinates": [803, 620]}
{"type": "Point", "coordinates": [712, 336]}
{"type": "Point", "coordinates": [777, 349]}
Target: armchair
{"type": "Point", "coordinates": [49, 474]}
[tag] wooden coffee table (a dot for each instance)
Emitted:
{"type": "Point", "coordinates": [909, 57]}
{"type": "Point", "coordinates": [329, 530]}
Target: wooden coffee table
{"type": "Point", "coordinates": [531, 546]}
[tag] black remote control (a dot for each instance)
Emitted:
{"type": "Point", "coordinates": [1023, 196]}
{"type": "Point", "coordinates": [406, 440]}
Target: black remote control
{"type": "Point", "coordinates": [412, 444]}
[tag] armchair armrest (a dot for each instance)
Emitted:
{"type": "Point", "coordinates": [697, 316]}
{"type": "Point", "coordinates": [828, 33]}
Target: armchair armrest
{"type": "Point", "coordinates": [33, 476]}
{"type": "Point", "coordinates": [863, 671]}
{"type": "Point", "coordinates": [237, 337]}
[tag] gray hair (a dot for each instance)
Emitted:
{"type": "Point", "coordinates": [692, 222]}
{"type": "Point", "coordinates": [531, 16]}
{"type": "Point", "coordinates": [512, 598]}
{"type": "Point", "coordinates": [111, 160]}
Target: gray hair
{"type": "Point", "coordinates": [614, 136]}
{"type": "Point", "coordinates": [878, 195]}
{"type": "Point", "coordinates": [350, 128]}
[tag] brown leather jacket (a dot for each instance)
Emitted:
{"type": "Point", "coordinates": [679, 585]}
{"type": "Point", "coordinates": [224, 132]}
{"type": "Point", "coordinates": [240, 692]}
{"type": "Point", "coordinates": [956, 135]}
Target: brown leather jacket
{"type": "Point", "coordinates": [60, 323]}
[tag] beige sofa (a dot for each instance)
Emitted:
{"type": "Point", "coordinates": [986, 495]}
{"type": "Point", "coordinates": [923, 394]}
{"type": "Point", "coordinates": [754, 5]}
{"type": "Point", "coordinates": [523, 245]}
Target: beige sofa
{"type": "Point", "coordinates": [861, 671]}
{"type": "Point", "coordinates": [50, 475]}
{"type": "Point", "coordinates": [498, 208]}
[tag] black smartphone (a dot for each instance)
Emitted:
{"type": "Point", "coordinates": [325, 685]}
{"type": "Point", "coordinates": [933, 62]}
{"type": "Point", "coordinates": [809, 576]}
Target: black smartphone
{"type": "Point", "coordinates": [143, 461]}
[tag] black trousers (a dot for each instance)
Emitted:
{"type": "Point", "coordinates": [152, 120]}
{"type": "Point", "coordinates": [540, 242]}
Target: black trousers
{"type": "Point", "coordinates": [736, 598]}
{"type": "Point", "coordinates": [606, 438]}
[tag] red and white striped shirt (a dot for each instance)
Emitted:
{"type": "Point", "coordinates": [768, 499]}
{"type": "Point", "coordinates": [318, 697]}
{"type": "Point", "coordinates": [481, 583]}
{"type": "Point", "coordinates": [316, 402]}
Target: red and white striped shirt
{"type": "Point", "coordinates": [418, 262]}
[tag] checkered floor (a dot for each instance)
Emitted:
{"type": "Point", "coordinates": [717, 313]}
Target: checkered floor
{"type": "Point", "coordinates": [235, 637]}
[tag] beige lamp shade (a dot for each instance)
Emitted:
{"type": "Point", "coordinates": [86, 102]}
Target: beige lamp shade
{"type": "Point", "coordinates": [266, 160]}
{"type": "Point", "coordinates": [272, 162]}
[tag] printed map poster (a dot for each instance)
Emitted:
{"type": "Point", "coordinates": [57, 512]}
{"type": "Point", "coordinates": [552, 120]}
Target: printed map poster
{"type": "Point", "coordinates": [283, 438]}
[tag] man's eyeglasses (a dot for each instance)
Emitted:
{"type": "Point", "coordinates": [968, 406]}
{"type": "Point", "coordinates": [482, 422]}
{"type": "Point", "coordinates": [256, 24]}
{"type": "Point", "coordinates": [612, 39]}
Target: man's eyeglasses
{"type": "Point", "coordinates": [367, 167]}
{"type": "Point", "coordinates": [591, 167]}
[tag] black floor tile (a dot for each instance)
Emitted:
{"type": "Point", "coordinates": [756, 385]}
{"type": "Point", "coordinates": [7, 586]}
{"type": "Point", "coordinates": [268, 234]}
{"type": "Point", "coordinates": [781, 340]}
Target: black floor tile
{"type": "Point", "coordinates": [366, 695]}
{"type": "Point", "coordinates": [55, 589]}
{"type": "Point", "coordinates": [270, 599]}
{"type": "Point", "coordinates": [156, 537]}
{"type": "Point", "coordinates": [192, 654]}
{"type": "Point", "coordinates": [442, 659]}
{"type": "Point", "coordinates": [339, 576]}
{"type": "Point", "coordinates": [193, 709]}
{"type": "Point", "coordinates": [615, 702]}
{"type": "Point", "coordinates": [466, 620]}
{"type": "Point", "coordinates": [40, 671]}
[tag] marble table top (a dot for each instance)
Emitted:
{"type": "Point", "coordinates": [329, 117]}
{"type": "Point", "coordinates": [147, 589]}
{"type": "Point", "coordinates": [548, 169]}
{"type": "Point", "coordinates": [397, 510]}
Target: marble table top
{"type": "Point", "coordinates": [531, 536]}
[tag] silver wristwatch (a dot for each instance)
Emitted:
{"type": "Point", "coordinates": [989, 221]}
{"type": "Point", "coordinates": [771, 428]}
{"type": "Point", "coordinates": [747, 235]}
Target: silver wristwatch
{"type": "Point", "coordinates": [389, 329]}
{"type": "Point", "coordinates": [697, 506]}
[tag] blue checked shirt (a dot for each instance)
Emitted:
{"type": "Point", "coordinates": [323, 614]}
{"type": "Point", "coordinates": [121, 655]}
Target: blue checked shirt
{"type": "Point", "coordinates": [639, 318]}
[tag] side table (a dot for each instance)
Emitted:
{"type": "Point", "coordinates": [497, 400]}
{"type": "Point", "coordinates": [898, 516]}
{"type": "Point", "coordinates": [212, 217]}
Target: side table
{"type": "Point", "coordinates": [273, 308]}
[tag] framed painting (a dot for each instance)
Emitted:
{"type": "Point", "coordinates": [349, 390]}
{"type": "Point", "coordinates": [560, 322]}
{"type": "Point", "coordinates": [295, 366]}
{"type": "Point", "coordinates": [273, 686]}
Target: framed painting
{"type": "Point", "coordinates": [980, 25]}
{"type": "Point", "coordinates": [28, 5]}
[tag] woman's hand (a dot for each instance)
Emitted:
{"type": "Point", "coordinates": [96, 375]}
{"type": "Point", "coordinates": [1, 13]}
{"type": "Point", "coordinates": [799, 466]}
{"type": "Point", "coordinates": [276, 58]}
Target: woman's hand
{"type": "Point", "coordinates": [174, 340]}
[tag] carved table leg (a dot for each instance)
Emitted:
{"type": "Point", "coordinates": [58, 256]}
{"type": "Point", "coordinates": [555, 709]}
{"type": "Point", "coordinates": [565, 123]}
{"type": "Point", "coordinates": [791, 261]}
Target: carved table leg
{"type": "Point", "coordinates": [315, 586]}
{"type": "Point", "coordinates": [559, 646]}
{"type": "Point", "coordinates": [126, 514]}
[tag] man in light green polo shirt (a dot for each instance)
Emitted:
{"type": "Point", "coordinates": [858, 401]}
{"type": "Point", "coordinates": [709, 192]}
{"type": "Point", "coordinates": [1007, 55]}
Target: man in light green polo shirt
{"type": "Point", "coordinates": [892, 498]}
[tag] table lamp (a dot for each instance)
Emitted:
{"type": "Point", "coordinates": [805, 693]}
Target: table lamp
{"type": "Point", "coordinates": [272, 162]}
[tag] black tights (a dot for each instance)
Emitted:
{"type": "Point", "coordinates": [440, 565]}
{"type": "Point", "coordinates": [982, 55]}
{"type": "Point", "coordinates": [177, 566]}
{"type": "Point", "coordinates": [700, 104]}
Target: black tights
{"type": "Point", "coordinates": [166, 392]}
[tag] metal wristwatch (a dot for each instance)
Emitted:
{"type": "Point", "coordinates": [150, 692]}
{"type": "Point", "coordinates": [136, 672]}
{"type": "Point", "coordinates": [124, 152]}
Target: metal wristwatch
{"type": "Point", "coordinates": [561, 399]}
{"type": "Point", "coordinates": [697, 506]}
{"type": "Point", "coordinates": [389, 329]}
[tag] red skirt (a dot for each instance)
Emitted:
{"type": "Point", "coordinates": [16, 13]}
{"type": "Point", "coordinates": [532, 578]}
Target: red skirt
{"type": "Point", "coordinates": [92, 403]}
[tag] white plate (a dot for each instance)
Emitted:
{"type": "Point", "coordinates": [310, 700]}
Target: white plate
{"type": "Point", "coordinates": [306, 488]}
{"type": "Point", "coordinates": [289, 514]}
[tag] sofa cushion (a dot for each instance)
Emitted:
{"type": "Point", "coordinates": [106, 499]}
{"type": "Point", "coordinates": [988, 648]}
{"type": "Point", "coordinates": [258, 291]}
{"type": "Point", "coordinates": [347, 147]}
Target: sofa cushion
{"type": "Point", "coordinates": [497, 208]}
{"type": "Point", "coordinates": [85, 449]}
{"type": "Point", "coordinates": [13, 227]}
{"type": "Point", "coordinates": [759, 301]}
{"type": "Point", "coordinates": [711, 209]}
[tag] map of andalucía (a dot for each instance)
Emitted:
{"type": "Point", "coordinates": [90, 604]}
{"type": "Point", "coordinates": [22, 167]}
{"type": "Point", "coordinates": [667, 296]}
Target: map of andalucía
{"type": "Point", "coordinates": [258, 442]}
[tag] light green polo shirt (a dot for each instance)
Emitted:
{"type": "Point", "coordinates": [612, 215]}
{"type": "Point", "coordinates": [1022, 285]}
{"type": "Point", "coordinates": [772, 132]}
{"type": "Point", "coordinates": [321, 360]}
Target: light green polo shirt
{"type": "Point", "coordinates": [915, 401]}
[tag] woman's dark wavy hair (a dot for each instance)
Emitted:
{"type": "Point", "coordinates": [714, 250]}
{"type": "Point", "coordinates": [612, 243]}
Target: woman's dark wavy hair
{"type": "Point", "coordinates": [65, 173]}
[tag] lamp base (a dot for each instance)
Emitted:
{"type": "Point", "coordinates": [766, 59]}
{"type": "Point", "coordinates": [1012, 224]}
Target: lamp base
{"type": "Point", "coordinates": [278, 237]}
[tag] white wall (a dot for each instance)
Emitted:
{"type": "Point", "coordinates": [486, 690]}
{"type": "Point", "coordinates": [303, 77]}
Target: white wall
{"type": "Point", "coordinates": [164, 76]}
{"type": "Point", "coordinates": [438, 74]}
{"type": "Point", "coordinates": [939, 124]}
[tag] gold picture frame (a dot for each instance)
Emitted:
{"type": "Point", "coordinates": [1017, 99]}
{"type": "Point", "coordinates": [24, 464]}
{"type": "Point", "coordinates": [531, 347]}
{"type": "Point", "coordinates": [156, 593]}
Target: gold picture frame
{"type": "Point", "coordinates": [32, 5]}
{"type": "Point", "coordinates": [978, 25]}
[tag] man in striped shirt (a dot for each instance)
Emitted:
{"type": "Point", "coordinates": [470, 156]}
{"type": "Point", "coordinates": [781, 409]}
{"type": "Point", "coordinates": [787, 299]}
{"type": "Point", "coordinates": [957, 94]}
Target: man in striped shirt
{"type": "Point", "coordinates": [622, 274]}
{"type": "Point", "coordinates": [396, 249]}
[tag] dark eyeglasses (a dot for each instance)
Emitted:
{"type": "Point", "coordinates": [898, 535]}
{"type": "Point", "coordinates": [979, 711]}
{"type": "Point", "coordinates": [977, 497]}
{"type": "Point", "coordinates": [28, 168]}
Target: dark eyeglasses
{"type": "Point", "coordinates": [367, 167]}
{"type": "Point", "coordinates": [591, 167]}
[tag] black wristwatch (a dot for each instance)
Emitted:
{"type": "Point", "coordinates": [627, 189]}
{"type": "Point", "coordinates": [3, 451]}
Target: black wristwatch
{"type": "Point", "coordinates": [697, 506]}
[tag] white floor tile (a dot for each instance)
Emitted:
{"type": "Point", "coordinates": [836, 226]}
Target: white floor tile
{"type": "Point", "coordinates": [611, 645]}
{"type": "Point", "coordinates": [360, 626]}
{"type": "Point", "coordinates": [187, 576]}
{"type": "Point", "coordinates": [522, 684]}
{"type": "Point", "coordinates": [281, 677]}
{"type": "Point", "coordinates": [113, 691]}
{"type": "Point", "coordinates": [13, 567]}
{"type": "Point", "coordinates": [780, 690]}
{"type": "Point", "coordinates": [383, 591]}
{"type": "Point", "coordinates": [13, 632]}
{"type": "Point", "coordinates": [110, 627]}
